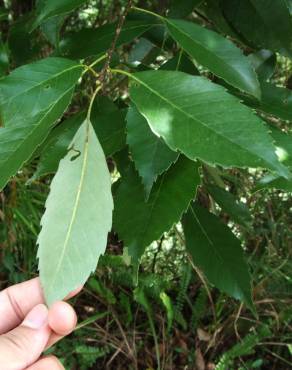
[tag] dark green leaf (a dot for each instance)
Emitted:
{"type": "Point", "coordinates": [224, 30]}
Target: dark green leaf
{"type": "Point", "coordinates": [22, 43]}
{"type": "Point", "coordinates": [4, 14]}
{"type": "Point", "coordinates": [265, 23]}
{"type": "Point", "coordinates": [4, 58]}
{"type": "Point", "coordinates": [212, 11]}
{"type": "Point", "coordinates": [109, 124]}
{"type": "Point", "coordinates": [264, 63]}
{"type": "Point", "coordinates": [238, 211]}
{"type": "Point", "coordinates": [57, 145]}
{"type": "Point", "coordinates": [169, 198]}
{"type": "Point", "coordinates": [77, 219]}
{"type": "Point", "coordinates": [180, 62]}
{"type": "Point", "coordinates": [149, 152]}
{"type": "Point", "coordinates": [32, 98]}
{"type": "Point", "coordinates": [51, 29]}
{"type": "Point", "coordinates": [182, 8]}
{"type": "Point", "coordinates": [216, 53]}
{"type": "Point", "coordinates": [276, 101]}
{"type": "Point", "coordinates": [47, 9]}
{"type": "Point", "coordinates": [216, 250]}
{"type": "Point", "coordinates": [143, 52]}
{"type": "Point", "coordinates": [94, 41]}
{"type": "Point", "coordinates": [200, 119]}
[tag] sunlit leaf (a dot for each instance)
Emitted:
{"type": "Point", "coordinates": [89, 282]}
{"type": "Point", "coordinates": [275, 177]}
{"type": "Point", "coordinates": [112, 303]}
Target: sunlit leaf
{"type": "Point", "coordinates": [200, 119]}
{"type": "Point", "coordinates": [32, 98]}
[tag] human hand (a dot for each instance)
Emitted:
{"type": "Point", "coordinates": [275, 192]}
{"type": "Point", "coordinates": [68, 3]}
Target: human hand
{"type": "Point", "coordinates": [27, 327]}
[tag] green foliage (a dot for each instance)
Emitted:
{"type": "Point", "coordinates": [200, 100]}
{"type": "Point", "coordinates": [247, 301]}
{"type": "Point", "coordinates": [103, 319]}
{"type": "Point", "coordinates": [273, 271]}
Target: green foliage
{"type": "Point", "coordinates": [217, 251]}
{"type": "Point", "coordinates": [32, 98]}
{"type": "Point", "coordinates": [200, 127]}
{"type": "Point", "coordinates": [261, 26]}
{"type": "Point", "coordinates": [151, 155]}
{"type": "Point", "coordinates": [48, 9]}
{"type": "Point", "coordinates": [216, 53]}
{"type": "Point", "coordinates": [56, 144]}
{"type": "Point", "coordinates": [243, 348]}
{"type": "Point", "coordinates": [238, 211]}
{"type": "Point", "coordinates": [95, 41]}
{"type": "Point", "coordinates": [182, 102]}
{"type": "Point", "coordinates": [152, 217]}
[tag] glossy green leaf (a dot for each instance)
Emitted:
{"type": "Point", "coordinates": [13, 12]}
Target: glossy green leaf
{"type": "Point", "coordinates": [47, 9]}
{"type": "Point", "coordinates": [149, 152]}
{"type": "Point", "coordinates": [200, 119]}
{"type": "Point", "coordinates": [56, 145]}
{"type": "Point", "coordinates": [32, 98]}
{"type": "Point", "coordinates": [94, 41]}
{"type": "Point", "coordinates": [238, 211]}
{"type": "Point", "coordinates": [77, 219]}
{"type": "Point", "coordinates": [216, 250]}
{"type": "Point", "coordinates": [216, 53]}
{"type": "Point", "coordinates": [182, 8]}
{"type": "Point", "coordinates": [109, 124]}
{"type": "Point", "coordinates": [169, 198]}
{"type": "Point", "coordinates": [265, 23]}
{"type": "Point", "coordinates": [264, 63]}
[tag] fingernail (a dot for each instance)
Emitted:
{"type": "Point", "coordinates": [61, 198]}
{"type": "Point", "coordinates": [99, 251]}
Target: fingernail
{"type": "Point", "coordinates": [37, 317]}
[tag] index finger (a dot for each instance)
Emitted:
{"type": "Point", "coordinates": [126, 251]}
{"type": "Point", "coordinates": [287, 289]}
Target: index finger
{"type": "Point", "coordinates": [17, 300]}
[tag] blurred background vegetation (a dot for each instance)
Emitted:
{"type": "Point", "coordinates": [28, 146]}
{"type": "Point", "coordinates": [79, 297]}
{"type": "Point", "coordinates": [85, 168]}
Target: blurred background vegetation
{"type": "Point", "coordinates": [172, 317]}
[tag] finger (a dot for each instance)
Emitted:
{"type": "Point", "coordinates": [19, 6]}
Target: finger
{"type": "Point", "coordinates": [23, 346]}
{"type": "Point", "coordinates": [62, 321]}
{"type": "Point", "coordinates": [47, 363]}
{"type": "Point", "coordinates": [17, 300]}
{"type": "Point", "coordinates": [62, 318]}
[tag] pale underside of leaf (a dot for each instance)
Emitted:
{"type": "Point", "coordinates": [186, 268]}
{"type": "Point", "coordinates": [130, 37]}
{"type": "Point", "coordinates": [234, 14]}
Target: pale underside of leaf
{"type": "Point", "coordinates": [78, 217]}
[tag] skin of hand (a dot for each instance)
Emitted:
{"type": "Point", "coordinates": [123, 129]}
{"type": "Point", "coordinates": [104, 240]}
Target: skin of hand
{"type": "Point", "coordinates": [28, 327]}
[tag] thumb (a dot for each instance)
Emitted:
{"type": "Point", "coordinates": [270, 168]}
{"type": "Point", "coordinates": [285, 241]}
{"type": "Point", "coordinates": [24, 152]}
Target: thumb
{"type": "Point", "coordinates": [23, 345]}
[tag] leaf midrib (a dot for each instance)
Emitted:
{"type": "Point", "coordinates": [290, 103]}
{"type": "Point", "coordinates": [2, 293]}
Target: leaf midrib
{"type": "Point", "coordinates": [215, 249]}
{"type": "Point", "coordinates": [35, 127]}
{"type": "Point", "coordinates": [74, 212]}
{"type": "Point", "coordinates": [216, 56]}
{"type": "Point", "coordinates": [40, 84]}
{"type": "Point", "coordinates": [152, 207]}
{"type": "Point", "coordinates": [193, 118]}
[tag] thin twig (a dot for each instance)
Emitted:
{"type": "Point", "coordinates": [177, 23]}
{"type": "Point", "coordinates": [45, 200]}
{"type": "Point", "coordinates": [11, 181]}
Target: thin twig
{"type": "Point", "coordinates": [105, 69]}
